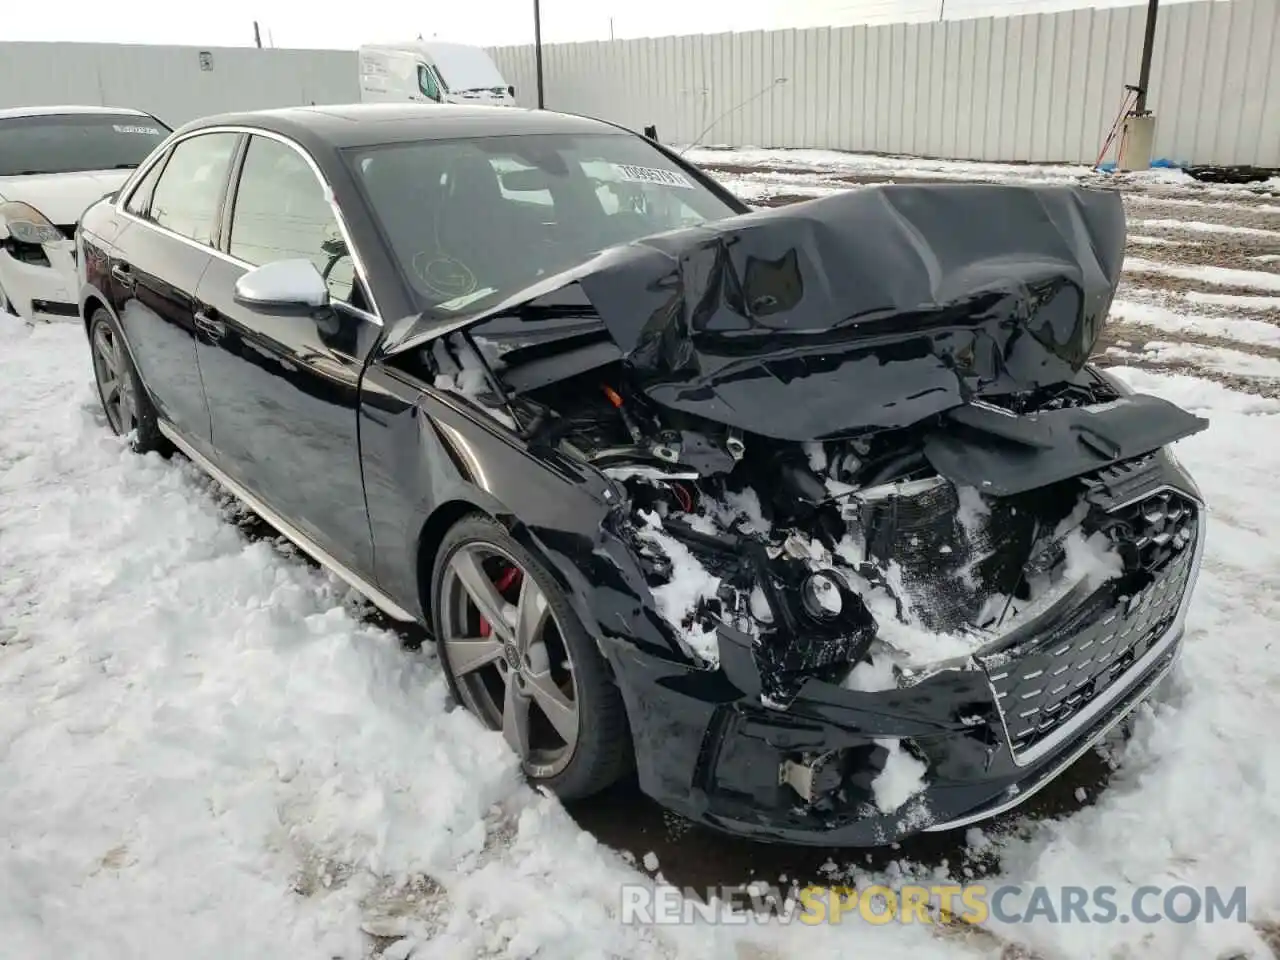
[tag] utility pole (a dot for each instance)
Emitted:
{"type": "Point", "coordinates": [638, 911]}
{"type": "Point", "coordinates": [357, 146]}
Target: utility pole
{"type": "Point", "coordinates": [611, 28]}
{"type": "Point", "coordinates": [1139, 131]}
{"type": "Point", "coordinates": [257, 35]}
{"type": "Point", "coordinates": [537, 48]}
{"type": "Point", "coordinates": [1148, 41]}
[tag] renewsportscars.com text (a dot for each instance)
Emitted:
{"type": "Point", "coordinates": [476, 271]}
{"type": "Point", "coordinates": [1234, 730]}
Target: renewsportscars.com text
{"type": "Point", "coordinates": [938, 903]}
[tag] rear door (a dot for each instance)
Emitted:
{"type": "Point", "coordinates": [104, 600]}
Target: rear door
{"type": "Point", "coordinates": [170, 229]}
{"type": "Point", "coordinates": [283, 389]}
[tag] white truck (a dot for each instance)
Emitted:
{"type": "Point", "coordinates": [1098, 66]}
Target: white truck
{"type": "Point", "coordinates": [431, 71]}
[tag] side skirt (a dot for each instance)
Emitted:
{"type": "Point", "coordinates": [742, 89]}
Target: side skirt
{"type": "Point", "coordinates": [299, 539]}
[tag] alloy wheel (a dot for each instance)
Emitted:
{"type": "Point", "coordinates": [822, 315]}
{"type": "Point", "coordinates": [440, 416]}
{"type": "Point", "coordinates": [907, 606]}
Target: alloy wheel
{"type": "Point", "coordinates": [115, 379]}
{"type": "Point", "coordinates": [504, 646]}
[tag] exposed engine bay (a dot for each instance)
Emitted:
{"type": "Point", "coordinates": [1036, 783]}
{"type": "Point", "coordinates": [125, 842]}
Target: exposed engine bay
{"type": "Point", "coordinates": [868, 471]}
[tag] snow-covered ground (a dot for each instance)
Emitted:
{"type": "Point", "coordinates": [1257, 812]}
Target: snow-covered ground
{"type": "Point", "coordinates": [207, 750]}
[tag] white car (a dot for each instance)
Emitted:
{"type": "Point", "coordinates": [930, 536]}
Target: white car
{"type": "Point", "coordinates": [54, 163]}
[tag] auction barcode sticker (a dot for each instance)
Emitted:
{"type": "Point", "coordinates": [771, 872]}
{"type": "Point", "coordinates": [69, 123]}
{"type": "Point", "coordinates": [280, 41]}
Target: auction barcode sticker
{"type": "Point", "coordinates": [652, 175]}
{"type": "Point", "coordinates": [146, 131]}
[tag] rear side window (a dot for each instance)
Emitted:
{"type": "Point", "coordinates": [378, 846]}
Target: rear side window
{"type": "Point", "coordinates": [281, 213]}
{"type": "Point", "coordinates": [188, 196]}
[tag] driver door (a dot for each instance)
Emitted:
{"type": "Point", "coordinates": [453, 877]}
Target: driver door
{"type": "Point", "coordinates": [283, 390]}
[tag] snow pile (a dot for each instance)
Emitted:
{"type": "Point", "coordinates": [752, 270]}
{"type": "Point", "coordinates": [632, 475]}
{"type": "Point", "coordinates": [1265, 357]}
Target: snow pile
{"type": "Point", "coordinates": [1241, 329]}
{"type": "Point", "coordinates": [472, 381]}
{"type": "Point", "coordinates": [1219, 276]}
{"type": "Point", "coordinates": [839, 162]}
{"type": "Point", "coordinates": [1233, 300]}
{"type": "Point", "coordinates": [680, 598]}
{"type": "Point", "coordinates": [1195, 226]}
{"type": "Point", "coordinates": [1091, 560]}
{"type": "Point", "coordinates": [12, 328]}
{"type": "Point", "coordinates": [1218, 359]}
{"type": "Point", "coordinates": [901, 778]}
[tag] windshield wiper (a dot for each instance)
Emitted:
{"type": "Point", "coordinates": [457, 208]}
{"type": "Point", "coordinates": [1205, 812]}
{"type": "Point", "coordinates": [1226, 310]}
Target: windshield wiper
{"type": "Point", "coordinates": [125, 166]}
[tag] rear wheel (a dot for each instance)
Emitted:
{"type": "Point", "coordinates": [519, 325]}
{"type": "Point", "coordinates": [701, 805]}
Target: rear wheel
{"type": "Point", "coordinates": [128, 408]}
{"type": "Point", "coordinates": [518, 658]}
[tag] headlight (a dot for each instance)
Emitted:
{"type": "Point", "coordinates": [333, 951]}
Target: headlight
{"type": "Point", "coordinates": [26, 224]}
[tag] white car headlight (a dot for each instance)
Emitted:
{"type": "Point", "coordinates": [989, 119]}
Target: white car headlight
{"type": "Point", "coordinates": [26, 224]}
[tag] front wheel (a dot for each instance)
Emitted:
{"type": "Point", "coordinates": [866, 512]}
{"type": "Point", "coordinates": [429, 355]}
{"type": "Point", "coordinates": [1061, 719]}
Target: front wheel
{"type": "Point", "coordinates": [517, 657]}
{"type": "Point", "coordinates": [129, 410]}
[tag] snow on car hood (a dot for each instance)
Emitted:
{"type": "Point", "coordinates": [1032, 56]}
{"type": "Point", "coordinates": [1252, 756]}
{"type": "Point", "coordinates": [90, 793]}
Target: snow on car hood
{"type": "Point", "coordinates": [873, 308]}
{"type": "Point", "coordinates": [62, 197]}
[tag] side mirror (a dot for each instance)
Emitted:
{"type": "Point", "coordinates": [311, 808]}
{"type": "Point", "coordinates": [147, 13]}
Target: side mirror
{"type": "Point", "coordinates": [511, 89]}
{"type": "Point", "coordinates": [285, 286]}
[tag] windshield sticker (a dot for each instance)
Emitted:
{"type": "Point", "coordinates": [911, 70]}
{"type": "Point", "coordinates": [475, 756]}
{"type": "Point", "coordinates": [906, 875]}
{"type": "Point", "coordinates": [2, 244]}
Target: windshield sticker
{"type": "Point", "coordinates": [126, 128]}
{"type": "Point", "coordinates": [668, 178]}
{"type": "Point", "coordinates": [457, 303]}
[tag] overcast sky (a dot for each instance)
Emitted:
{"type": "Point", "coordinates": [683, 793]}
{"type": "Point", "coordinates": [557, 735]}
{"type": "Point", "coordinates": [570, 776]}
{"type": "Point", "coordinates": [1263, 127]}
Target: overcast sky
{"type": "Point", "coordinates": [292, 23]}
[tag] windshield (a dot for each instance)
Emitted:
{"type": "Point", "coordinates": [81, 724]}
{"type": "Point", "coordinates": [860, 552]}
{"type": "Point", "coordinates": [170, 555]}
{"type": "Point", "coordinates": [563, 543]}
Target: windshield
{"type": "Point", "coordinates": [471, 221]}
{"type": "Point", "coordinates": [464, 68]}
{"type": "Point", "coordinates": [70, 143]}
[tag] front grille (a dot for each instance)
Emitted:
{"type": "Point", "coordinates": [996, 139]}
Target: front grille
{"type": "Point", "coordinates": [1153, 530]}
{"type": "Point", "coordinates": [1040, 689]}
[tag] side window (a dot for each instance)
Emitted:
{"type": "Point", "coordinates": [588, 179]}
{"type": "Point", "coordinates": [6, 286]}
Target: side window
{"type": "Point", "coordinates": [427, 83]}
{"type": "Point", "coordinates": [140, 201]}
{"type": "Point", "coordinates": [281, 213]}
{"type": "Point", "coordinates": [188, 196]}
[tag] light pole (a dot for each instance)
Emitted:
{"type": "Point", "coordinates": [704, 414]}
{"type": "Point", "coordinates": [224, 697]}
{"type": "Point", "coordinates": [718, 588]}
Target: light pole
{"type": "Point", "coordinates": [537, 48]}
{"type": "Point", "coordinates": [1148, 41]}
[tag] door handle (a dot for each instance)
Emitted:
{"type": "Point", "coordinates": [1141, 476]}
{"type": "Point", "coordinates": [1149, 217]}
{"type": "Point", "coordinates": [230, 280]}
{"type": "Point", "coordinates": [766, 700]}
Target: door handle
{"type": "Point", "coordinates": [214, 329]}
{"type": "Point", "coordinates": [123, 275]}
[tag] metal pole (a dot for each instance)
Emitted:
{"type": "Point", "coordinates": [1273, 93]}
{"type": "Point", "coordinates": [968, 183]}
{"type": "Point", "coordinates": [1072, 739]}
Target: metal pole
{"type": "Point", "coordinates": [537, 47]}
{"type": "Point", "coordinates": [1148, 41]}
{"type": "Point", "coordinates": [257, 35]}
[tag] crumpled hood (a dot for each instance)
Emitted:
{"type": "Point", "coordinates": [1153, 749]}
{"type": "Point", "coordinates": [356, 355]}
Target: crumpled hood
{"type": "Point", "coordinates": [62, 197]}
{"type": "Point", "coordinates": [871, 308]}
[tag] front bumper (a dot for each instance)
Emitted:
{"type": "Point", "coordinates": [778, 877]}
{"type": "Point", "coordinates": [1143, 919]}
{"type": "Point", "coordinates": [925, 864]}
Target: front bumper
{"type": "Point", "coordinates": [708, 749]}
{"type": "Point", "coordinates": [39, 292]}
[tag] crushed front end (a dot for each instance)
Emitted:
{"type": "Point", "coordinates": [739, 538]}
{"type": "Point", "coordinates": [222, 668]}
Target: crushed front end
{"type": "Point", "coordinates": [913, 554]}
{"type": "Point", "coordinates": [920, 704]}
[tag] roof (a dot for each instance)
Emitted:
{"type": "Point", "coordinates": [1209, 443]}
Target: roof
{"type": "Point", "coordinates": [367, 124]}
{"type": "Point", "coordinates": [10, 113]}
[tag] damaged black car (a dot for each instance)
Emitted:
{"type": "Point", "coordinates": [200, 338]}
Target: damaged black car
{"type": "Point", "coordinates": [817, 517]}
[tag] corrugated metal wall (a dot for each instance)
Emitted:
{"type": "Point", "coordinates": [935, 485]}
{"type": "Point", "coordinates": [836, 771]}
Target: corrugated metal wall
{"type": "Point", "coordinates": [1039, 87]}
{"type": "Point", "coordinates": [169, 81]}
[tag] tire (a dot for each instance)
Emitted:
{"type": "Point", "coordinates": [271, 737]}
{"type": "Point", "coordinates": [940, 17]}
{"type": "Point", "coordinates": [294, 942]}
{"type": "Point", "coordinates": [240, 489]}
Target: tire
{"type": "Point", "coordinates": [124, 400]}
{"type": "Point", "coordinates": [601, 752]}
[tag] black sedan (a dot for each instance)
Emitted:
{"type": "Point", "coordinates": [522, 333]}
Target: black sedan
{"type": "Point", "coordinates": [817, 517]}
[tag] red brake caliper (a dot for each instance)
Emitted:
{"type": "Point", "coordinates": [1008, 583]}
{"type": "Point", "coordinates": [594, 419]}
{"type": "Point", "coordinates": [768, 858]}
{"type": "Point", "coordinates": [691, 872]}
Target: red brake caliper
{"type": "Point", "coordinates": [509, 578]}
